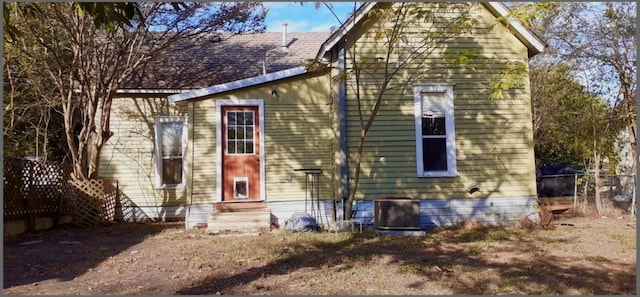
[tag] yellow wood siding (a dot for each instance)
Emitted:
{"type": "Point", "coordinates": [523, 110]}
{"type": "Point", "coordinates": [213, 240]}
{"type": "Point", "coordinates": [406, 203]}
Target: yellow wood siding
{"type": "Point", "coordinates": [129, 155]}
{"type": "Point", "coordinates": [203, 149]}
{"type": "Point", "coordinates": [494, 142]}
{"type": "Point", "coordinates": [297, 134]}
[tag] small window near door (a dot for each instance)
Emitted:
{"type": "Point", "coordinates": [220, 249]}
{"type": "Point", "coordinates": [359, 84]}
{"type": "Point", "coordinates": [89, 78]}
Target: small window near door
{"type": "Point", "coordinates": [171, 141]}
{"type": "Point", "coordinates": [435, 131]}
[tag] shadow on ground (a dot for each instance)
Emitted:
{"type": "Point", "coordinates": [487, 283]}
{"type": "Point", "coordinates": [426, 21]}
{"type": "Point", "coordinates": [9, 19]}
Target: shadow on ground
{"type": "Point", "coordinates": [35, 257]}
{"type": "Point", "coordinates": [536, 274]}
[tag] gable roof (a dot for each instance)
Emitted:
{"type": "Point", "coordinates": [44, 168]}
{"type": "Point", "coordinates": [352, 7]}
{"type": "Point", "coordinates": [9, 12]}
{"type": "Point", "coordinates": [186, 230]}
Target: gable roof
{"type": "Point", "coordinates": [203, 62]}
{"type": "Point", "coordinates": [534, 44]}
{"type": "Point", "coordinates": [527, 37]}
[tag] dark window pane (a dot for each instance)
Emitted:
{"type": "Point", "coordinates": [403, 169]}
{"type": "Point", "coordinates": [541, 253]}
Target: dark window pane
{"type": "Point", "coordinates": [433, 126]}
{"type": "Point", "coordinates": [249, 134]}
{"type": "Point", "coordinates": [231, 118]}
{"type": "Point", "coordinates": [249, 147]}
{"type": "Point", "coordinates": [240, 133]}
{"type": "Point", "coordinates": [172, 171]}
{"type": "Point", "coordinates": [240, 147]}
{"type": "Point", "coordinates": [231, 147]}
{"type": "Point", "coordinates": [434, 154]}
{"type": "Point", "coordinates": [240, 118]}
{"type": "Point", "coordinates": [231, 133]}
{"type": "Point", "coordinates": [249, 119]}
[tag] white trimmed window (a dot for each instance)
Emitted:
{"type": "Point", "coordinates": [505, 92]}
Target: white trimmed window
{"type": "Point", "coordinates": [171, 144]}
{"type": "Point", "coordinates": [435, 130]}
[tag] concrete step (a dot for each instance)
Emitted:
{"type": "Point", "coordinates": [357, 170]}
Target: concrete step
{"type": "Point", "coordinates": [239, 221]}
{"type": "Point", "coordinates": [240, 206]}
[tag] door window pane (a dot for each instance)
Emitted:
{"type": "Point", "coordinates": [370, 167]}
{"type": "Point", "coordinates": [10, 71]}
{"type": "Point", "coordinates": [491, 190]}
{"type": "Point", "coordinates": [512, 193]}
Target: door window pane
{"type": "Point", "coordinates": [249, 147]}
{"type": "Point", "coordinates": [240, 132]}
{"type": "Point", "coordinates": [231, 118]}
{"type": "Point", "coordinates": [231, 132]}
{"type": "Point", "coordinates": [240, 147]}
{"type": "Point", "coordinates": [231, 146]}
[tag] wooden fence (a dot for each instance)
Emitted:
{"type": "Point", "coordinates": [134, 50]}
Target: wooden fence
{"type": "Point", "coordinates": [34, 189]}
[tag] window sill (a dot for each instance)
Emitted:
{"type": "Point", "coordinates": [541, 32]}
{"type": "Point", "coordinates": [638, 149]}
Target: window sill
{"type": "Point", "coordinates": [171, 187]}
{"type": "Point", "coordinates": [438, 174]}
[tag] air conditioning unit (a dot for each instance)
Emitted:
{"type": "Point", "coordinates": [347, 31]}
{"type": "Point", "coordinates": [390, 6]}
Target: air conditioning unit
{"type": "Point", "coordinates": [397, 214]}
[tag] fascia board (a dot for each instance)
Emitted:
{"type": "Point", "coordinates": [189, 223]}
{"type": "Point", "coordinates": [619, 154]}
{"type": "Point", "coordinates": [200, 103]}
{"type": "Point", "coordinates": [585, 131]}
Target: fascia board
{"type": "Point", "coordinates": [524, 34]}
{"type": "Point", "coordinates": [340, 33]}
{"type": "Point", "coordinates": [238, 84]}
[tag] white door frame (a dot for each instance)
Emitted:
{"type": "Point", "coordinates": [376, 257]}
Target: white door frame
{"type": "Point", "coordinates": [239, 102]}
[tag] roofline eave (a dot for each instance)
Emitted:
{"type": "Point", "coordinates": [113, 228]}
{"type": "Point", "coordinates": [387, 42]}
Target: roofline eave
{"type": "Point", "coordinates": [343, 30]}
{"type": "Point", "coordinates": [526, 36]}
{"type": "Point", "coordinates": [534, 44]}
{"type": "Point", "coordinates": [238, 84]}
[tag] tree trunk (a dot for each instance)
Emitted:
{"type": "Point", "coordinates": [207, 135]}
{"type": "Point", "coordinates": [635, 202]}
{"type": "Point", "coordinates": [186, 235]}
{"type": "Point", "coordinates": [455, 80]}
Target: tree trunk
{"type": "Point", "coordinates": [356, 176]}
{"type": "Point", "coordinates": [596, 175]}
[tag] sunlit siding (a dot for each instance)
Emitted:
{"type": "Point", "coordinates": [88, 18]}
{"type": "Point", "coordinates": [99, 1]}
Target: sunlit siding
{"type": "Point", "coordinates": [298, 134]}
{"type": "Point", "coordinates": [494, 142]}
{"type": "Point", "coordinates": [129, 155]}
{"type": "Point", "coordinates": [202, 141]}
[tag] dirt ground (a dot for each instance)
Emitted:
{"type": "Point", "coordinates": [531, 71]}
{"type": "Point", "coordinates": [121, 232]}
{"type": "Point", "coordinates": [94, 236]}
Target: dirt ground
{"type": "Point", "coordinates": [581, 255]}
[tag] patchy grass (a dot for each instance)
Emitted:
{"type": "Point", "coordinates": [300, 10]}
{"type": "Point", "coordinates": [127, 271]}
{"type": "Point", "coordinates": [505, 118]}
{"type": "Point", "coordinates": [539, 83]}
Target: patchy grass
{"type": "Point", "coordinates": [597, 259]}
{"type": "Point", "coordinates": [627, 240]}
{"type": "Point", "coordinates": [462, 261]}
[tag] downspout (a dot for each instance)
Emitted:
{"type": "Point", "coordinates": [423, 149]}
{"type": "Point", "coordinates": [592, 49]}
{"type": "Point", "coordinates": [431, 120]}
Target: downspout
{"type": "Point", "coordinates": [342, 128]}
{"type": "Point", "coordinates": [189, 172]}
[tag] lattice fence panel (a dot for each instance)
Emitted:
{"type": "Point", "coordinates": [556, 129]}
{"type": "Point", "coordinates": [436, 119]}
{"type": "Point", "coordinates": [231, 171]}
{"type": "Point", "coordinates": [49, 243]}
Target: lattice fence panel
{"type": "Point", "coordinates": [14, 198]}
{"type": "Point", "coordinates": [34, 189]}
{"type": "Point", "coordinates": [91, 205]}
{"type": "Point", "coordinates": [111, 197]}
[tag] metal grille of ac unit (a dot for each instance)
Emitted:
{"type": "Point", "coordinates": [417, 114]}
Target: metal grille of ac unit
{"type": "Point", "coordinates": [400, 214]}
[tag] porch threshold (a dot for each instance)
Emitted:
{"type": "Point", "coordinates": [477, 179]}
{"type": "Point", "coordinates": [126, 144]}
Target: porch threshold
{"type": "Point", "coordinates": [240, 206]}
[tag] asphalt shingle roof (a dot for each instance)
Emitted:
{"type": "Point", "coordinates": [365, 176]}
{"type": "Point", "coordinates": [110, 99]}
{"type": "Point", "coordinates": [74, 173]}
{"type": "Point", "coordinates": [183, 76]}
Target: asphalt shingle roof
{"type": "Point", "coordinates": [207, 62]}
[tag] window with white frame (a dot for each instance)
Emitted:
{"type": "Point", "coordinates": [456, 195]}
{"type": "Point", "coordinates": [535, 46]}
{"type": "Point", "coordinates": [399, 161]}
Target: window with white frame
{"type": "Point", "coordinates": [171, 143]}
{"type": "Point", "coordinates": [435, 130]}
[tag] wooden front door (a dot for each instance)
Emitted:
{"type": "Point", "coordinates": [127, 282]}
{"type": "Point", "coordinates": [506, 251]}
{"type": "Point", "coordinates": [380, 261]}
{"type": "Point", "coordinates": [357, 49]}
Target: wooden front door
{"type": "Point", "coordinates": [240, 153]}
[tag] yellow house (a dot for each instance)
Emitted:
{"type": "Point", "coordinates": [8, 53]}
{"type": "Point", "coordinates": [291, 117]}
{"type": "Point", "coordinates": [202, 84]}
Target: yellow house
{"type": "Point", "coordinates": [258, 149]}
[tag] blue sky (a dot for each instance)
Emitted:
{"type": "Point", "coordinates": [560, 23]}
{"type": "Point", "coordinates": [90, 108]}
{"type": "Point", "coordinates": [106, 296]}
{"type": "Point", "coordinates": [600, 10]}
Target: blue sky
{"type": "Point", "coordinates": [305, 18]}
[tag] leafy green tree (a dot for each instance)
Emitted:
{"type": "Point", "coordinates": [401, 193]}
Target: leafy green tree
{"type": "Point", "coordinates": [87, 64]}
{"type": "Point", "coordinates": [564, 115]}
{"type": "Point", "coordinates": [597, 40]}
{"type": "Point", "coordinates": [32, 114]}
